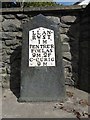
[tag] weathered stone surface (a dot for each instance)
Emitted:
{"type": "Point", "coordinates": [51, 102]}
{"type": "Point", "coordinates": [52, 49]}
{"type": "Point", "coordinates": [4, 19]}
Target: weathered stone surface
{"type": "Point", "coordinates": [65, 47]}
{"type": "Point", "coordinates": [8, 70]}
{"type": "Point", "coordinates": [25, 20]}
{"type": "Point", "coordinates": [0, 27]}
{"type": "Point", "coordinates": [0, 70]}
{"type": "Point", "coordinates": [64, 38]}
{"type": "Point", "coordinates": [6, 81]}
{"type": "Point", "coordinates": [67, 55]}
{"type": "Point", "coordinates": [64, 30]}
{"type": "Point", "coordinates": [63, 25]}
{"type": "Point", "coordinates": [69, 81]}
{"type": "Point", "coordinates": [55, 19]}
{"type": "Point", "coordinates": [1, 18]}
{"type": "Point", "coordinates": [2, 64]}
{"type": "Point", "coordinates": [19, 35]}
{"type": "Point", "coordinates": [9, 16]}
{"type": "Point", "coordinates": [68, 19]}
{"type": "Point", "coordinates": [9, 52]}
{"type": "Point", "coordinates": [6, 59]}
{"type": "Point", "coordinates": [3, 70]}
{"type": "Point", "coordinates": [13, 47]}
{"type": "Point", "coordinates": [21, 16]}
{"type": "Point", "coordinates": [11, 25]}
{"type": "Point", "coordinates": [7, 35]}
{"type": "Point", "coordinates": [45, 83]}
{"type": "Point", "coordinates": [11, 42]}
{"type": "Point", "coordinates": [66, 63]}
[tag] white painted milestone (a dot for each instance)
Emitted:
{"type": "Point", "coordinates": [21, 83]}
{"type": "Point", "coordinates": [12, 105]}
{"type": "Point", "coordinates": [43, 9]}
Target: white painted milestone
{"type": "Point", "coordinates": [41, 47]}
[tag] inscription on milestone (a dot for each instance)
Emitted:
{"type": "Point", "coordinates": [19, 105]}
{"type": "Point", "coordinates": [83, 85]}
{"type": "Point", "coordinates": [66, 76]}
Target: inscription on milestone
{"type": "Point", "coordinates": [41, 47]}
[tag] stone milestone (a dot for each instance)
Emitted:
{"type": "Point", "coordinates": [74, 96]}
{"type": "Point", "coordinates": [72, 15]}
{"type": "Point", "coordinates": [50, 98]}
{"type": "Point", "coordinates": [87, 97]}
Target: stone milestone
{"type": "Point", "coordinates": [42, 74]}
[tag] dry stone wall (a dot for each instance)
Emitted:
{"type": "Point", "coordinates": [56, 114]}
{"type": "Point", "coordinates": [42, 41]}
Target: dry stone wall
{"type": "Point", "coordinates": [11, 35]}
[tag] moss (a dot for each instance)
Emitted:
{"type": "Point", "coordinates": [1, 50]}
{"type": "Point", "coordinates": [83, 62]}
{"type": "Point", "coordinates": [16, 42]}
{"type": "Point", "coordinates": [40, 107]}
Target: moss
{"type": "Point", "coordinates": [40, 4]}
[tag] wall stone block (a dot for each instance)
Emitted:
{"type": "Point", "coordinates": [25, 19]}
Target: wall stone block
{"type": "Point", "coordinates": [67, 55]}
{"type": "Point", "coordinates": [64, 38]}
{"type": "Point", "coordinates": [65, 47]}
{"type": "Point", "coordinates": [21, 16]}
{"type": "Point", "coordinates": [55, 19]}
{"type": "Point", "coordinates": [9, 16]}
{"type": "Point", "coordinates": [7, 35]}
{"type": "Point", "coordinates": [63, 30]}
{"type": "Point", "coordinates": [9, 52]}
{"type": "Point", "coordinates": [68, 19]}
{"type": "Point", "coordinates": [1, 18]}
{"type": "Point", "coordinates": [11, 42]}
{"type": "Point", "coordinates": [19, 35]}
{"type": "Point", "coordinates": [63, 25]}
{"type": "Point", "coordinates": [11, 25]}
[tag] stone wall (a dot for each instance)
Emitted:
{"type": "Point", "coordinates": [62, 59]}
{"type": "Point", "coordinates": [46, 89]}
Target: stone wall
{"type": "Point", "coordinates": [68, 19]}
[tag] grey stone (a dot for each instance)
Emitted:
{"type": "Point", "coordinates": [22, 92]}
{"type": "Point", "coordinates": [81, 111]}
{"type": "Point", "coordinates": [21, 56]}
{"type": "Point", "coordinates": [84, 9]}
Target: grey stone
{"type": "Point", "coordinates": [11, 42]}
{"type": "Point", "coordinates": [9, 52]}
{"type": "Point", "coordinates": [68, 19]}
{"type": "Point", "coordinates": [68, 75]}
{"type": "Point", "coordinates": [64, 38]}
{"type": "Point", "coordinates": [68, 71]}
{"type": "Point", "coordinates": [63, 30]}
{"type": "Point", "coordinates": [19, 35]}
{"type": "Point", "coordinates": [9, 16]}
{"type": "Point", "coordinates": [66, 63]}
{"type": "Point", "coordinates": [45, 83]}
{"type": "Point", "coordinates": [1, 18]}
{"type": "Point", "coordinates": [69, 81]}
{"type": "Point", "coordinates": [55, 19]}
{"type": "Point", "coordinates": [21, 16]}
{"type": "Point", "coordinates": [0, 26]}
{"type": "Point", "coordinates": [13, 47]}
{"type": "Point", "coordinates": [7, 35]}
{"type": "Point", "coordinates": [63, 25]}
{"type": "Point", "coordinates": [8, 70]}
{"type": "Point", "coordinates": [2, 70]}
{"type": "Point", "coordinates": [11, 25]}
{"type": "Point", "coordinates": [4, 48]}
{"type": "Point", "coordinates": [6, 57]}
{"type": "Point", "coordinates": [67, 55]}
{"type": "Point", "coordinates": [65, 47]}
{"type": "Point", "coordinates": [0, 45]}
{"type": "Point", "coordinates": [25, 20]}
{"type": "Point", "coordinates": [6, 81]}
{"type": "Point", "coordinates": [2, 64]}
